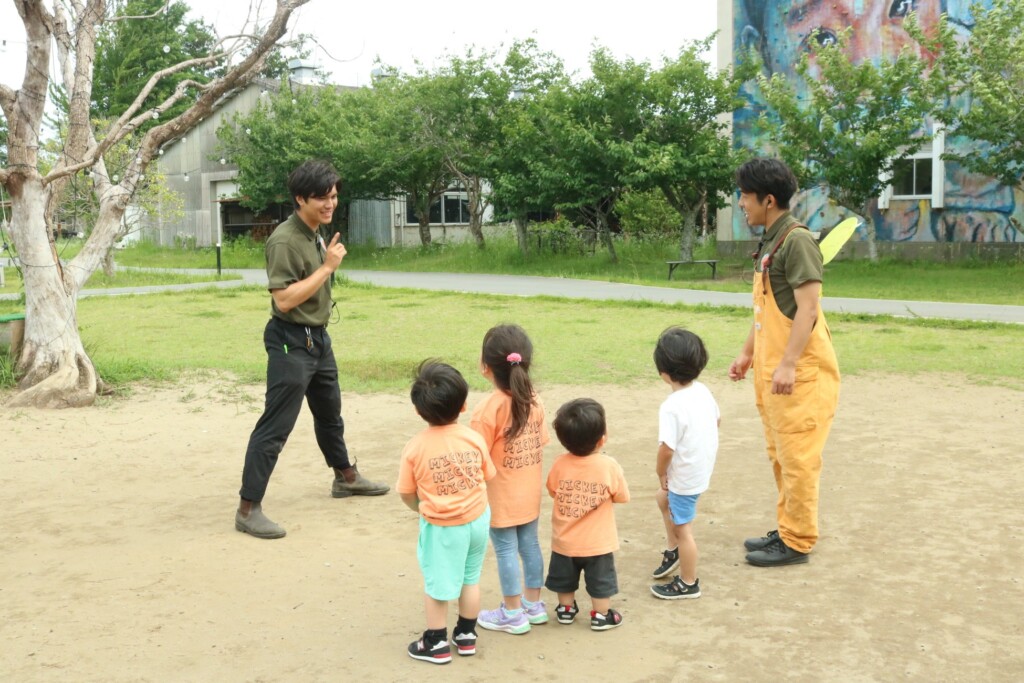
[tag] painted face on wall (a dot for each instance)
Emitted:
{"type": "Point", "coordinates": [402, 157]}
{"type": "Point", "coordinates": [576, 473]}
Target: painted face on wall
{"type": "Point", "coordinates": [793, 28]}
{"type": "Point", "coordinates": [976, 208]}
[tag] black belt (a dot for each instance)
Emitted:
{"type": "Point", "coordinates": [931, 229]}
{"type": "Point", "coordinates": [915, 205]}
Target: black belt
{"type": "Point", "coordinates": [302, 326]}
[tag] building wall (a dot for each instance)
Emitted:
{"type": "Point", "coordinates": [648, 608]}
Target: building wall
{"type": "Point", "coordinates": [194, 171]}
{"type": "Point", "coordinates": [964, 208]}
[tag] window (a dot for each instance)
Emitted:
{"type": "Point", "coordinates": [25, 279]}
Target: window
{"type": "Point", "coordinates": [451, 208]}
{"type": "Point", "coordinates": [912, 178]}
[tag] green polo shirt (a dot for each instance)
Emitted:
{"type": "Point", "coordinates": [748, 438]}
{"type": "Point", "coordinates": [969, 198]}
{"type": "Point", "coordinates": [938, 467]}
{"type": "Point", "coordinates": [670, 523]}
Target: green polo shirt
{"type": "Point", "coordinates": [292, 255]}
{"type": "Point", "coordinates": [797, 261]}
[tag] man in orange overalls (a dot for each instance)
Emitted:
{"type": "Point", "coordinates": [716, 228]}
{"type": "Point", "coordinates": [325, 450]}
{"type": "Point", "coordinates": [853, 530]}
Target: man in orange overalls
{"type": "Point", "coordinates": [796, 376]}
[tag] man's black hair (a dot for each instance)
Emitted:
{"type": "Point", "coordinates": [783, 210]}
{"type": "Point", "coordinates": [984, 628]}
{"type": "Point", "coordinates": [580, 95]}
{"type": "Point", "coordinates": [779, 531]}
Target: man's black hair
{"type": "Point", "coordinates": [680, 354]}
{"type": "Point", "coordinates": [765, 177]}
{"type": "Point", "coordinates": [314, 178]}
{"type": "Point", "coordinates": [439, 392]}
{"type": "Point", "coordinates": [580, 424]}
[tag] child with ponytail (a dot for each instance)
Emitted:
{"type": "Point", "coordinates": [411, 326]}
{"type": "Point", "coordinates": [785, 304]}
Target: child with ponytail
{"type": "Point", "coordinates": [512, 422]}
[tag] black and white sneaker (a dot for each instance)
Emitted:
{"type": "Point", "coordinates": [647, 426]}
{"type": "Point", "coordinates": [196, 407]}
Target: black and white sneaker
{"type": "Point", "coordinates": [566, 614]}
{"type": "Point", "coordinates": [670, 560]}
{"type": "Point", "coordinates": [604, 622]}
{"type": "Point", "coordinates": [465, 643]}
{"type": "Point", "coordinates": [435, 653]}
{"type": "Point", "coordinates": [676, 590]}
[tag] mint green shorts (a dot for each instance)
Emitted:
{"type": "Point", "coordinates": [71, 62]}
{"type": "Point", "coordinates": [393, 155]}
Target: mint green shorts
{"type": "Point", "coordinates": [452, 556]}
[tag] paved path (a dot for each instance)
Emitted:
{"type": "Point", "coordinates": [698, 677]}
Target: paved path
{"type": "Point", "coordinates": [526, 285]}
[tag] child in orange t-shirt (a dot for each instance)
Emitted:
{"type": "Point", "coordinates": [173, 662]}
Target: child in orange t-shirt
{"type": "Point", "coordinates": [511, 421]}
{"type": "Point", "coordinates": [441, 476]}
{"type": "Point", "coordinates": [584, 483]}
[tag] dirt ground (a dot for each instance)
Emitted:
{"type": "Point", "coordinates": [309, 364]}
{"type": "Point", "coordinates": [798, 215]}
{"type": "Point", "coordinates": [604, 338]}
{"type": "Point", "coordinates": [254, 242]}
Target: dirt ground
{"type": "Point", "coordinates": [120, 561]}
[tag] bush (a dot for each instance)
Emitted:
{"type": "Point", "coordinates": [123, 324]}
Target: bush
{"type": "Point", "coordinates": [647, 214]}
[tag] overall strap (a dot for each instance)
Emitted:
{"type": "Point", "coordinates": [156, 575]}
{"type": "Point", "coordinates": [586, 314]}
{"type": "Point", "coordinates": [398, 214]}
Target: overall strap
{"type": "Point", "coordinates": [766, 265]}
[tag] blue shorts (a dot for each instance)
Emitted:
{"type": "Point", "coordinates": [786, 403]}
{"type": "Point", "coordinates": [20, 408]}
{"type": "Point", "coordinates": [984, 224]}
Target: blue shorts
{"type": "Point", "coordinates": [683, 508]}
{"type": "Point", "coordinates": [452, 556]}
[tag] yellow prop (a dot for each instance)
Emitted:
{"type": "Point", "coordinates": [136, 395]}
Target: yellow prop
{"type": "Point", "coordinates": [837, 237]}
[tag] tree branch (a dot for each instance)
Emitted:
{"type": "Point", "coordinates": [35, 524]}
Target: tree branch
{"type": "Point", "coordinates": [157, 13]}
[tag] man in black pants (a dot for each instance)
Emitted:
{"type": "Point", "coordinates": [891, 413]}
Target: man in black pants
{"type": "Point", "coordinates": [300, 361]}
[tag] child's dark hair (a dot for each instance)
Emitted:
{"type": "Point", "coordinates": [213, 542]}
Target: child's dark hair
{"type": "Point", "coordinates": [580, 424]}
{"type": "Point", "coordinates": [314, 178]}
{"type": "Point", "coordinates": [439, 391]}
{"type": "Point", "coordinates": [766, 177]}
{"type": "Point", "coordinates": [507, 351]}
{"type": "Point", "coordinates": [680, 354]}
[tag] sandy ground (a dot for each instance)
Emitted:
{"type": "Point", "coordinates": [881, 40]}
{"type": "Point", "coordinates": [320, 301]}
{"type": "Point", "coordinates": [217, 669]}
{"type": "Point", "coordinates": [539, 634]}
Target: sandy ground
{"type": "Point", "coordinates": [119, 560]}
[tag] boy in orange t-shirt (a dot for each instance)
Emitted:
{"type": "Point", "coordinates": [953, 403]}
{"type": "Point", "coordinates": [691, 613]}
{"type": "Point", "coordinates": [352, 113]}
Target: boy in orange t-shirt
{"type": "Point", "coordinates": [584, 483]}
{"type": "Point", "coordinates": [441, 476]}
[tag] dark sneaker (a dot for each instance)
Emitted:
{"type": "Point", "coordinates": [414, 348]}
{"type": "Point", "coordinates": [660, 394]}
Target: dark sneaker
{"type": "Point", "coordinates": [776, 554]}
{"type": "Point", "coordinates": [566, 614]}
{"type": "Point", "coordinates": [676, 590]}
{"type": "Point", "coordinates": [435, 653]}
{"type": "Point", "coordinates": [758, 543]}
{"type": "Point", "coordinates": [669, 561]}
{"type": "Point", "coordinates": [604, 622]}
{"type": "Point", "coordinates": [360, 487]}
{"type": "Point", "coordinates": [465, 643]}
{"type": "Point", "coordinates": [257, 524]}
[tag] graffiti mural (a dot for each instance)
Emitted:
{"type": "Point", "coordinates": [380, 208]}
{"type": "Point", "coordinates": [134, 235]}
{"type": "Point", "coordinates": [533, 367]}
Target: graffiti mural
{"type": "Point", "coordinates": [976, 208]}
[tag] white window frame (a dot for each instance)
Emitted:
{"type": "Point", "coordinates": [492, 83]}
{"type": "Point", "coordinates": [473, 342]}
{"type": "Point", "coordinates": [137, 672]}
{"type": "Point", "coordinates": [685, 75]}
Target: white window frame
{"type": "Point", "coordinates": [933, 151]}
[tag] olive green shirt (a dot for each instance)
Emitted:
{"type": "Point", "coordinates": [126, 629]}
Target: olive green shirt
{"type": "Point", "coordinates": [293, 254]}
{"type": "Point", "coordinates": [797, 261]}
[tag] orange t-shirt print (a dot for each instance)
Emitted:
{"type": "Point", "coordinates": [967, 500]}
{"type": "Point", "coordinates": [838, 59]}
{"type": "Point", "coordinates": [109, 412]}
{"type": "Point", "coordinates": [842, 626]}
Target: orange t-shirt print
{"type": "Point", "coordinates": [515, 491]}
{"type": "Point", "coordinates": [446, 468]}
{"type": "Point", "coordinates": [582, 517]}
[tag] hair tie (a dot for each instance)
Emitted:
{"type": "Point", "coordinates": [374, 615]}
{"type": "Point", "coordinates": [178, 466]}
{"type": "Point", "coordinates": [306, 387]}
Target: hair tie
{"type": "Point", "coordinates": [514, 358]}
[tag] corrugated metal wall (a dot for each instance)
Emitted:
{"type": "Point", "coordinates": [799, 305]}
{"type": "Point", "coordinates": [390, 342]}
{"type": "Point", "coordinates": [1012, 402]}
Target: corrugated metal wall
{"type": "Point", "coordinates": [369, 222]}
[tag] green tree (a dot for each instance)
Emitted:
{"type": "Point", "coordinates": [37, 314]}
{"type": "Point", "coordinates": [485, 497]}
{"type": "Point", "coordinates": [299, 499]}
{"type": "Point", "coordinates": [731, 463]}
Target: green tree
{"type": "Point", "coordinates": [684, 147]}
{"type": "Point", "coordinates": [521, 144]}
{"type": "Point", "coordinates": [129, 49]}
{"type": "Point", "coordinates": [984, 75]}
{"type": "Point", "coordinates": [851, 123]}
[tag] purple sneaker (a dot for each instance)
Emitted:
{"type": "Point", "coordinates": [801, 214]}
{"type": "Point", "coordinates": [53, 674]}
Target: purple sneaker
{"type": "Point", "coordinates": [501, 619]}
{"type": "Point", "coordinates": [536, 612]}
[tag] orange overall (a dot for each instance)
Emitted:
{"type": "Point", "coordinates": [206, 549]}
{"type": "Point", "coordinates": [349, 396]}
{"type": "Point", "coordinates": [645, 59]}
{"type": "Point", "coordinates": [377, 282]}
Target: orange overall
{"type": "Point", "coordinates": [796, 426]}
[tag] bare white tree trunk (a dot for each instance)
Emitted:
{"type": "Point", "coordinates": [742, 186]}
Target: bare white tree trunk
{"type": "Point", "coordinates": [53, 369]}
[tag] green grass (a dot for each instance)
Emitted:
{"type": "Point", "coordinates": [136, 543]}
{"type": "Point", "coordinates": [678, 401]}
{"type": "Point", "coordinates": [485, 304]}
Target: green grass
{"type": "Point", "coordinates": [123, 278]}
{"type": "Point", "coordinates": [385, 333]}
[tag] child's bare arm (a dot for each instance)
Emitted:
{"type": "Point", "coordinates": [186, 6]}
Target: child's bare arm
{"type": "Point", "coordinates": [411, 501]}
{"type": "Point", "coordinates": [664, 458]}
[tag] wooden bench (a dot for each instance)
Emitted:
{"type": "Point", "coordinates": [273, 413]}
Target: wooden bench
{"type": "Point", "coordinates": [712, 263]}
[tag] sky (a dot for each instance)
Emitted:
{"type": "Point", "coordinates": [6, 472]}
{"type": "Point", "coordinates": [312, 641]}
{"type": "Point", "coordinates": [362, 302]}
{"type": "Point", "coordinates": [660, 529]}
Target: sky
{"type": "Point", "coordinates": [353, 34]}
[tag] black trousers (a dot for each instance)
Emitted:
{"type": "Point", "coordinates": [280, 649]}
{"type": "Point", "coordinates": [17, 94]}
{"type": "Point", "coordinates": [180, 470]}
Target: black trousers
{"type": "Point", "coordinates": [293, 372]}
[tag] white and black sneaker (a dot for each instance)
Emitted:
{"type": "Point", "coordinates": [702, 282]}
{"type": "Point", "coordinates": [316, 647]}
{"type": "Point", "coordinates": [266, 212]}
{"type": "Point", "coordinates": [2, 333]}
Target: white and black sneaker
{"type": "Point", "coordinates": [669, 561]}
{"type": "Point", "coordinates": [677, 590]}
{"type": "Point", "coordinates": [465, 643]}
{"type": "Point", "coordinates": [434, 652]}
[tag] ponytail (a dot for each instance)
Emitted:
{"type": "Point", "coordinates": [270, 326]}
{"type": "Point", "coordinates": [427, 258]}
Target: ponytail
{"type": "Point", "coordinates": [508, 352]}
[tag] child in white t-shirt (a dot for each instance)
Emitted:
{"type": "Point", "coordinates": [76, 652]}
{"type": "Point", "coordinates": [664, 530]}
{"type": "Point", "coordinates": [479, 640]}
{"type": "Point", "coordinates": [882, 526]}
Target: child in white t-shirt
{"type": "Point", "coordinates": [688, 423]}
